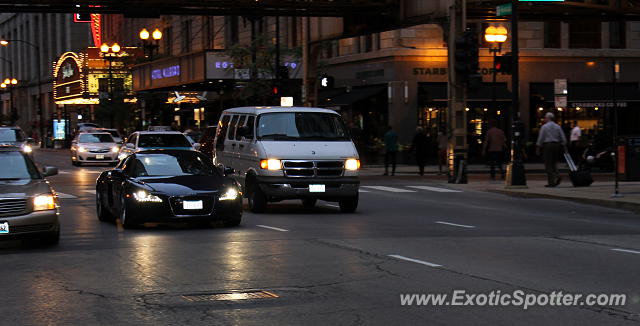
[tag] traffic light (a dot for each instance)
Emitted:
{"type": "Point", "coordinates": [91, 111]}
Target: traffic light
{"type": "Point", "coordinates": [466, 56]}
{"type": "Point", "coordinates": [326, 81]}
{"type": "Point", "coordinates": [503, 63]}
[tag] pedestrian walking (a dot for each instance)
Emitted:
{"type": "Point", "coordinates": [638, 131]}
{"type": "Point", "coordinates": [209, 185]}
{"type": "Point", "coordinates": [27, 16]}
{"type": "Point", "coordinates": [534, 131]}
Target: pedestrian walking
{"type": "Point", "coordinates": [391, 150]}
{"type": "Point", "coordinates": [443, 143]}
{"type": "Point", "coordinates": [420, 144]}
{"type": "Point", "coordinates": [574, 142]}
{"type": "Point", "coordinates": [495, 142]}
{"type": "Point", "coordinates": [552, 142]}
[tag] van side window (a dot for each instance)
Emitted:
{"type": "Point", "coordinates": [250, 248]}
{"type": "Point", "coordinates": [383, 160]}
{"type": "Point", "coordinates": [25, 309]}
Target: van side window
{"type": "Point", "coordinates": [232, 128]}
{"type": "Point", "coordinates": [132, 139]}
{"type": "Point", "coordinates": [222, 132]}
{"type": "Point", "coordinates": [250, 122]}
{"type": "Point", "coordinates": [240, 124]}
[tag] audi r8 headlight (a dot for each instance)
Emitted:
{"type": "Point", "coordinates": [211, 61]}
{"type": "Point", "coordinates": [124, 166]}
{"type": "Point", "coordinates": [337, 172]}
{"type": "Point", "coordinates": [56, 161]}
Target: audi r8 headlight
{"type": "Point", "coordinates": [271, 164]}
{"type": "Point", "coordinates": [352, 164]}
{"type": "Point", "coordinates": [82, 149]}
{"type": "Point", "coordinates": [114, 149]}
{"type": "Point", "coordinates": [145, 197]}
{"type": "Point", "coordinates": [44, 202]}
{"type": "Point", "coordinates": [27, 149]}
{"type": "Point", "coordinates": [230, 194]}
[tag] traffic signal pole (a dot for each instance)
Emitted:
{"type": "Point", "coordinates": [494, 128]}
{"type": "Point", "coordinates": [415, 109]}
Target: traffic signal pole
{"type": "Point", "coordinates": [516, 177]}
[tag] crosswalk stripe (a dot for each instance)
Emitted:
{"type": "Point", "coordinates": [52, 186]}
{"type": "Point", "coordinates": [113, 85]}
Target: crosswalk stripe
{"type": "Point", "coordinates": [436, 189]}
{"type": "Point", "coordinates": [390, 189]}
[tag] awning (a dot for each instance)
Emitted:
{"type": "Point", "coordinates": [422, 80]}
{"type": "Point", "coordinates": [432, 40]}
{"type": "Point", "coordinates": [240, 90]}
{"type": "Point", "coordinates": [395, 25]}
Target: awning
{"type": "Point", "coordinates": [356, 94]}
{"type": "Point", "coordinates": [590, 92]}
{"type": "Point", "coordinates": [438, 92]}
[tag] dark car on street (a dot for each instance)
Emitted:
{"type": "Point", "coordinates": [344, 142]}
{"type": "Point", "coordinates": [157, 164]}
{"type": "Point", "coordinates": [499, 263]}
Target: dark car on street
{"type": "Point", "coordinates": [28, 204]}
{"type": "Point", "coordinates": [163, 185]}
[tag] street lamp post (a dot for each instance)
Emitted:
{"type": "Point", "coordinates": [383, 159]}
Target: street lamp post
{"type": "Point", "coordinates": [109, 53]}
{"type": "Point", "coordinates": [10, 83]}
{"type": "Point", "coordinates": [39, 72]}
{"type": "Point", "coordinates": [147, 45]}
{"type": "Point", "coordinates": [495, 36]}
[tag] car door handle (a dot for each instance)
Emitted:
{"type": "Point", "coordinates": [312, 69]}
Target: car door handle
{"type": "Point", "coordinates": [241, 145]}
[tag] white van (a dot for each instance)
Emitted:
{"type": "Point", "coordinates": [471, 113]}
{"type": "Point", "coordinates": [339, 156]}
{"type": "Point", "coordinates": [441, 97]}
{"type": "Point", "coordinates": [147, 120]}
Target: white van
{"type": "Point", "coordinates": [283, 153]}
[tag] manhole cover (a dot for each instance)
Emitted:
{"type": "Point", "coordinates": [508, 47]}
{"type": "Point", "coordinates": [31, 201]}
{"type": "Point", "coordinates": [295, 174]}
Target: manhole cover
{"type": "Point", "coordinates": [231, 296]}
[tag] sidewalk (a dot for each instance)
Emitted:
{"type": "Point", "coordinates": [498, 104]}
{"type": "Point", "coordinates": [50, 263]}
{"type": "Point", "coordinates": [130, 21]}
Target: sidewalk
{"type": "Point", "coordinates": [408, 169]}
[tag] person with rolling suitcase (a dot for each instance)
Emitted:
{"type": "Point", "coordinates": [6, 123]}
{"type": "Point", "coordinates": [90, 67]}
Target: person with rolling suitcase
{"type": "Point", "coordinates": [578, 177]}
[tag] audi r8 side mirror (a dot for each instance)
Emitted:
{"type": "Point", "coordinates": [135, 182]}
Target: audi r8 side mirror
{"type": "Point", "coordinates": [48, 171]}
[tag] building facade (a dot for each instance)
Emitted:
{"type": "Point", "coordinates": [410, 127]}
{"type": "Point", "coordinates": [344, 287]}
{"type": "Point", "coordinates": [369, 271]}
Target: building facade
{"type": "Point", "coordinates": [35, 41]}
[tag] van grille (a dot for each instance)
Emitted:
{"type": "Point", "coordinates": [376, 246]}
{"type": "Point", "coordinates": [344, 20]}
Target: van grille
{"type": "Point", "coordinates": [311, 169]}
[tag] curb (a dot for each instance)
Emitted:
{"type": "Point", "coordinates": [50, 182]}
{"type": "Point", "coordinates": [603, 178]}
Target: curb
{"type": "Point", "coordinates": [635, 208]}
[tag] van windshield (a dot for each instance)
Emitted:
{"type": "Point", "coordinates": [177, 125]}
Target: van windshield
{"type": "Point", "coordinates": [301, 126]}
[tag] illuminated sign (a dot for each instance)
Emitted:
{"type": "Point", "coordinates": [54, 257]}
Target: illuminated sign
{"type": "Point", "coordinates": [67, 71]}
{"type": "Point", "coordinates": [81, 18]}
{"type": "Point", "coordinates": [59, 129]}
{"type": "Point", "coordinates": [167, 72]}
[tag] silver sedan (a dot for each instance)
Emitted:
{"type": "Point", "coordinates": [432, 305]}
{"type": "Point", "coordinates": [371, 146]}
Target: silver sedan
{"type": "Point", "coordinates": [94, 147]}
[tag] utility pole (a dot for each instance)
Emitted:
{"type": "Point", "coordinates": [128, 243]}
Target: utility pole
{"type": "Point", "coordinates": [616, 158]}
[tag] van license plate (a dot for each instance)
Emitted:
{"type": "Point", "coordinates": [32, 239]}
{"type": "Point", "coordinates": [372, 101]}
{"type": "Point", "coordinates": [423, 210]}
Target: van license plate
{"type": "Point", "coordinates": [99, 157]}
{"type": "Point", "coordinates": [316, 188]}
{"type": "Point", "coordinates": [4, 228]}
{"type": "Point", "coordinates": [192, 204]}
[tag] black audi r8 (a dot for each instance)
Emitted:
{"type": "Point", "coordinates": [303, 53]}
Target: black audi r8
{"type": "Point", "coordinates": [162, 185]}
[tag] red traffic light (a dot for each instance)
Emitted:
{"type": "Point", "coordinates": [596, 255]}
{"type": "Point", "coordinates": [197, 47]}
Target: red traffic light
{"type": "Point", "coordinates": [275, 90]}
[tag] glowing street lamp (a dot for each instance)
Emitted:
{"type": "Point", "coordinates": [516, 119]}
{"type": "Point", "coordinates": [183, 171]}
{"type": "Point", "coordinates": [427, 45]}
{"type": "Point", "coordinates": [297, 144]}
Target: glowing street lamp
{"type": "Point", "coordinates": [148, 45]}
{"type": "Point", "coordinates": [144, 34]}
{"type": "Point", "coordinates": [495, 34]}
{"type": "Point", "coordinates": [157, 34]}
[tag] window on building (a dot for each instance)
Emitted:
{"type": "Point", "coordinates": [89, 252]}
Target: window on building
{"type": "Point", "coordinates": [368, 43]}
{"type": "Point", "coordinates": [617, 35]}
{"type": "Point", "coordinates": [209, 33]}
{"type": "Point", "coordinates": [552, 34]}
{"type": "Point", "coordinates": [232, 35]}
{"type": "Point", "coordinates": [185, 37]}
{"type": "Point", "coordinates": [585, 34]}
{"type": "Point", "coordinates": [167, 36]}
{"type": "Point", "coordinates": [293, 34]}
{"type": "Point", "coordinates": [376, 41]}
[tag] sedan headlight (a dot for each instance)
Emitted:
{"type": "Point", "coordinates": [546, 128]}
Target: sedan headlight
{"type": "Point", "coordinates": [145, 197]}
{"type": "Point", "coordinates": [27, 149]}
{"type": "Point", "coordinates": [271, 164]}
{"type": "Point", "coordinates": [82, 149]}
{"type": "Point", "coordinates": [114, 149]}
{"type": "Point", "coordinates": [230, 194]}
{"type": "Point", "coordinates": [352, 164]}
{"type": "Point", "coordinates": [44, 202]}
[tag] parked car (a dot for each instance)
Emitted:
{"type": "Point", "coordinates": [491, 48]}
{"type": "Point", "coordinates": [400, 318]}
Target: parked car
{"type": "Point", "coordinates": [28, 204]}
{"type": "Point", "coordinates": [114, 133]}
{"type": "Point", "coordinates": [14, 136]}
{"type": "Point", "coordinates": [94, 147]}
{"type": "Point", "coordinates": [207, 141]}
{"type": "Point", "coordinates": [289, 153]}
{"type": "Point", "coordinates": [142, 140]}
{"type": "Point", "coordinates": [167, 186]}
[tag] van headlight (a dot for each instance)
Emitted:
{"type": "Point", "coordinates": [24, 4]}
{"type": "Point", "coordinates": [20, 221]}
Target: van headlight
{"type": "Point", "coordinates": [145, 197]}
{"type": "Point", "coordinates": [271, 164]}
{"type": "Point", "coordinates": [114, 149]}
{"type": "Point", "coordinates": [352, 164]}
{"type": "Point", "coordinates": [44, 202]}
{"type": "Point", "coordinates": [27, 149]}
{"type": "Point", "coordinates": [230, 194]}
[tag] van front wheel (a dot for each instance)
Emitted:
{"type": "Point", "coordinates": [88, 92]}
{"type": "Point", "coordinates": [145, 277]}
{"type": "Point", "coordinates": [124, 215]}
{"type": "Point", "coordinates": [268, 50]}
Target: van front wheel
{"type": "Point", "coordinates": [349, 205]}
{"type": "Point", "coordinates": [257, 199]}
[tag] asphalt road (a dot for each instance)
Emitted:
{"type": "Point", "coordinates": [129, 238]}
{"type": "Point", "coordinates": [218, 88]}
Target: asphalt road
{"type": "Point", "coordinates": [294, 266]}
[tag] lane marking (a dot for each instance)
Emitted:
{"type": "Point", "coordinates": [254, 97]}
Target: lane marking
{"type": "Point", "coordinates": [271, 228]}
{"type": "Point", "coordinates": [454, 224]}
{"type": "Point", "coordinates": [627, 250]}
{"type": "Point", "coordinates": [64, 172]}
{"type": "Point", "coordinates": [90, 191]}
{"type": "Point", "coordinates": [415, 261]}
{"type": "Point", "coordinates": [436, 189]}
{"type": "Point", "coordinates": [331, 205]}
{"type": "Point", "coordinates": [66, 196]}
{"type": "Point", "coordinates": [362, 190]}
{"type": "Point", "coordinates": [390, 189]}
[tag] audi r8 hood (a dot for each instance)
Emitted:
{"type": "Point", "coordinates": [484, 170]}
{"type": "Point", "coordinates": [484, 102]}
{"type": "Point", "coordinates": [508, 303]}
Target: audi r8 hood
{"type": "Point", "coordinates": [183, 185]}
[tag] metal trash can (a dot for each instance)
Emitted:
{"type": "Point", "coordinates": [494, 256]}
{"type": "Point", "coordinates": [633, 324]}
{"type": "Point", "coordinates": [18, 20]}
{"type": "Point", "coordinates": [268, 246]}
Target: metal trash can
{"type": "Point", "coordinates": [629, 158]}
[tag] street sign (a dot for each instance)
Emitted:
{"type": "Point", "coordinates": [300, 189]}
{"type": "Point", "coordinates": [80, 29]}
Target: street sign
{"type": "Point", "coordinates": [560, 101]}
{"type": "Point", "coordinates": [504, 9]}
{"type": "Point", "coordinates": [560, 87]}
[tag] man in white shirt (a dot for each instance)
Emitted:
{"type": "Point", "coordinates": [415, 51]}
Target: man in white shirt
{"type": "Point", "coordinates": [574, 140]}
{"type": "Point", "coordinates": [552, 141]}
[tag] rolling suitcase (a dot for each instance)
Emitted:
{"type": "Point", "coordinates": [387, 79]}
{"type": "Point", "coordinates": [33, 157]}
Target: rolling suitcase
{"type": "Point", "coordinates": [579, 178]}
